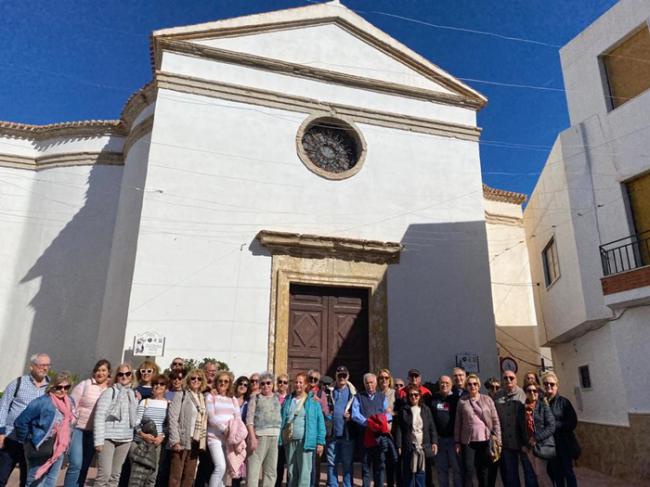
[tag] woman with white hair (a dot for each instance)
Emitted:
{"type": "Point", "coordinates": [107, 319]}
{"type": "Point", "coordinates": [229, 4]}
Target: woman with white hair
{"type": "Point", "coordinates": [263, 421]}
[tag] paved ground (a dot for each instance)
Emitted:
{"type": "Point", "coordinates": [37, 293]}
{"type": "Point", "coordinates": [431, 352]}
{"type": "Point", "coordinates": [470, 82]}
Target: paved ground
{"type": "Point", "coordinates": [586, 478]}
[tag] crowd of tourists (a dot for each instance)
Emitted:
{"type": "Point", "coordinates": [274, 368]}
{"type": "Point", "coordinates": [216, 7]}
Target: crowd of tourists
{"type": "Point", "coordinates": [202, 427]}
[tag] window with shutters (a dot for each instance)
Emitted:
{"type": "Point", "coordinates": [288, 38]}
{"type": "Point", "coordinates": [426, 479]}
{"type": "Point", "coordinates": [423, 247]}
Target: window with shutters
{"type": "Point", "coordinates": [551, 263]}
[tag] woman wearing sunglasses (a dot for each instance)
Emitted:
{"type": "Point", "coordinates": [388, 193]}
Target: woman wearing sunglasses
{"type": "Point", "coordinates": [242, 395]}
{"type": "Point", "coordinates": [566, 444]}
{"type": "Point", "coordinates": [149, 410]}
{"type": "Point", "coordinates": [82, 450]}
{"type": "Point", "coordinates": [415, 437]}
{"type": "Point", "coordinates": [221, 408]}
{"type": "Point", "coordinates": [476, 421]}
{"type": "Point", "coordinates": [145, 374]}
{"type": "Point", "coordinates": [45, 428]}
{"type": "Point", "coordinates": [114, 420]}
{"type": "Point", "coordinates": [540, 426]}
{"type": "Point", "coordinates": [188, 422]}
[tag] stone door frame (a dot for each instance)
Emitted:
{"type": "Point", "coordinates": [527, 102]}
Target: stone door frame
{"type": "Point", "coordinates": [327, 261]}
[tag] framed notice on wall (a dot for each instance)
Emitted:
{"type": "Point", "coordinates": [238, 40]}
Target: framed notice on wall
{"type": "Point", "coordinates": [468, 361]}
{"type": "Point", "coordinates": [149, 344]}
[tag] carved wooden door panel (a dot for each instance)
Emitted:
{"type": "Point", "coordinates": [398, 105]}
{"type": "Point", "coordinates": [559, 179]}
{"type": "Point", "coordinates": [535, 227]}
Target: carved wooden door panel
{"type": "Point", "coordinates": [328, 327]}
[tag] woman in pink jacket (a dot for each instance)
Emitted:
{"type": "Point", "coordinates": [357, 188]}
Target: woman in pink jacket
{"type": "Point", "coordinates": [82, 448]}
{"type": "Point", "coordinates": [476, 420]}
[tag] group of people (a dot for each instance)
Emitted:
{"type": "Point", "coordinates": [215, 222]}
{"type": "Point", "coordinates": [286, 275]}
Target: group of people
{"type": "Point", "coordinates": [201, 426]}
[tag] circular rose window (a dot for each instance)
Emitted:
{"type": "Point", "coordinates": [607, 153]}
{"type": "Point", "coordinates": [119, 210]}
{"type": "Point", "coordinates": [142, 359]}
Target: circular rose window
{"type": "Point", "coordinates": [331, 147]}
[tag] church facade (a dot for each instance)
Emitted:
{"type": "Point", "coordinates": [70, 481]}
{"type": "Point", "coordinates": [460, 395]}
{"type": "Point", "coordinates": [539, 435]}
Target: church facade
{"type": "Point", "coordinates": [292, 189]}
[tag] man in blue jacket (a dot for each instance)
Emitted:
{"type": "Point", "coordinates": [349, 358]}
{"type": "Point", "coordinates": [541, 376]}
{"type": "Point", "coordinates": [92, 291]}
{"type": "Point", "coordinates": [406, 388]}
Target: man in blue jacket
{"type": "Point", "coordinates": [17, 395]}
{"type": "Point", "coordinates": [340, 447]}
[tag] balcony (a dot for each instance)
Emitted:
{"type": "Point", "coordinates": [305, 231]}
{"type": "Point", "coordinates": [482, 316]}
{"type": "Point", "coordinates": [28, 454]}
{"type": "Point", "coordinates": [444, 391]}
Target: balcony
{"type": "Point", "coordinates": [626, 267]}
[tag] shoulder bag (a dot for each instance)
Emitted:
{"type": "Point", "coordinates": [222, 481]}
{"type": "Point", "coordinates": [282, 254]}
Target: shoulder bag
{"type": "Point", "coordinates": [287, 431]}
{"type": "Point", "coordinates": [494, 445]}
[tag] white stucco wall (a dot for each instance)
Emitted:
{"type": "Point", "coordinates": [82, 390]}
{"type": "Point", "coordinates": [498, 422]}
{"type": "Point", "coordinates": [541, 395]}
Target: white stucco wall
{"type": "Point", "coordinates": [57, 229]}
{"type": "Point", "coordinates": [220, 171]}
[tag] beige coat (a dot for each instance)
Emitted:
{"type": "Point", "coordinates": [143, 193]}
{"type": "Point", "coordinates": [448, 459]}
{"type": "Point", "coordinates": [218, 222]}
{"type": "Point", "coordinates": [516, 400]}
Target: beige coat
{"type": "Point", "coordinates": [180, 416]}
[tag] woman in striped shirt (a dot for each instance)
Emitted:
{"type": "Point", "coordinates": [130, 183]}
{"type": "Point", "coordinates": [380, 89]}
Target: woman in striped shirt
{"type": "Point", "coordinates": [154, 409]}
{"type": "Point", "coordinates": [221, 408]}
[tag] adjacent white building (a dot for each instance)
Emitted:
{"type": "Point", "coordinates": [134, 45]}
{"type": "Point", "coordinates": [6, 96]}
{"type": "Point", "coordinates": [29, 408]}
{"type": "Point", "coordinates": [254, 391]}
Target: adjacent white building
{"type": "Point", "coordinates": [293, 189]}
{"type": "Point", "coordinates": [587, 225]}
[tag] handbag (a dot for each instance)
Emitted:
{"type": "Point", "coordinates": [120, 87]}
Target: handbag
{"type": "Point", "coordinates": [287, 431]}
{"type": "Point", "coordinates": [545, 451]}
{"type": "Point", "coordinates": [41, 454]}
{"type": "Point", "coordinates": [494, 445]}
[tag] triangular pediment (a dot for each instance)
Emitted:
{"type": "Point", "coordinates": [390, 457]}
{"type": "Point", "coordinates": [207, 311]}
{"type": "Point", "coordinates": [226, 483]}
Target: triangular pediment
{"type": "Point", "coordinates": [325, 38]}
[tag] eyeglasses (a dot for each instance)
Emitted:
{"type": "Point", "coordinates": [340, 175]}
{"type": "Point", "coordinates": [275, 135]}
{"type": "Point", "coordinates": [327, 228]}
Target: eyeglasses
{"type": "Point", "coordinates": [223, 381]}
{"type": "Point", "coordinates": [180, 377]}
{"type": "Point", "coordinates": [177, 364]}
{"type": "Point", "coordinates": [266, 383]}
{"type": "Point", "coordinates": [341, 375]}
{"type": "Point", "coordinates": [494, 387]}
{"type": "Point", "coordinates": [242, 384]}
{"type": "Point", "coordinates": [124, 374]}
{"type": "Point", "coordinates": [146, 371]}
{"type": "Point", "coordinates": [509, 378]}
{"type": "Point", "coordinates": [283, 382]}
{"type": "Point", "coordinates": [531, 391]}
{"type": "Point", "coordinates": [160, 384]}
{"type": "Point", "coordinates": [399, 386]}
{"type": "Point", "coordinates": [472, 384]}
{"type": "Point", "coordinates": [254, 381]}
{"type": "Point", "coordinates": [384, 377]}
{"type": "Point", "coordinates": [195, 378]}
{"type": "Point", "coordinates": [313, 379]}
{"type": "Point", "coordinates": [414, 394]}
{"type": "Point", "coordinates": [550, 384]}
{"type": "Point", "coordinates": [62, 388]}
{"type": "Point", "coordinates": [43, 366]}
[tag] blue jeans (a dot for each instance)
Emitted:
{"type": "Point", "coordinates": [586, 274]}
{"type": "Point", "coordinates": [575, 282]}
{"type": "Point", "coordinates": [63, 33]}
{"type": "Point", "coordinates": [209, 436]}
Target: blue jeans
{"type": "Point", "coordinates": [340, 451]}
{"type": "Point", "coordinates": [373, 459]}
{"type": "Point", "coordinates": [80, 456]}
{"type": "Point", "coordinates": [411, 479]}
{"type": "Point", "coordinates": [447, 459]}
{"type": "Point", "coordinates": [510, 469]}
{"type": "Point", "coordinates": [47, 480]}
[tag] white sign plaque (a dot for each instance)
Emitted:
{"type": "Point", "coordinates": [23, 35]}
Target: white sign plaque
{"type": "Point", "coordinates": [468, 361]}
{"type": "Point", "coordinates": [149, 344]}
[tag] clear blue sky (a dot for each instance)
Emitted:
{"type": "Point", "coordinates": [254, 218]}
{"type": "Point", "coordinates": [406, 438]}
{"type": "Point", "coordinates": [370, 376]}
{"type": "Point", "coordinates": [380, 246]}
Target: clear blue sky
{"type": "Point", "coordinates": [73, 60]}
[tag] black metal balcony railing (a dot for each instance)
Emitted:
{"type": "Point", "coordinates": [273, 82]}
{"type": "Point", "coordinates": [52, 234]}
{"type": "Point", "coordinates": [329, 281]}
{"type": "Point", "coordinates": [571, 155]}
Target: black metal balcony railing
{"type": "Point", "coordinates": [626, 253]}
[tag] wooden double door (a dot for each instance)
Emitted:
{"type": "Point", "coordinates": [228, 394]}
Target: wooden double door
{"type": "Point", "coordinates": [328, 327]}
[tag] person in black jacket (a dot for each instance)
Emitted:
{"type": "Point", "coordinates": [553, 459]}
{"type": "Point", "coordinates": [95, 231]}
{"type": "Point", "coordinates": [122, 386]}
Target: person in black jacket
{"type": "Point", "coordinates": [415, 437]}
{"type": "Point", "coordinates": [443, 409]}
{"type": "Point", "coordinates": [560, 468]}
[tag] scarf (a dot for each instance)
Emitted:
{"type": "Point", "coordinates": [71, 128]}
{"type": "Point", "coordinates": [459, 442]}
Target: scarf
{"type": "Point", "coordinates": [201, 420]}
{"type": "Point", "coordinates": [62, 432]}
{"type": "Point", "coordinates": [530, 418]}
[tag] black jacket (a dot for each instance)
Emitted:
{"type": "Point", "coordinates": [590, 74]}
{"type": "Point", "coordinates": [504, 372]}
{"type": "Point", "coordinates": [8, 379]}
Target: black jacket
{"type": "Point", "coordinates": [443, 409]}
{"type": "Point", "coordinates": [566, 419]}
{"type": "Point", "coordinates": [403, 430]}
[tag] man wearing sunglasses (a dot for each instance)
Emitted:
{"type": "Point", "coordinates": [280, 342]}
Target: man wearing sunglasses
{"type": "Point", "coordinates": [340, 447]}
{"type": "Point", "coordinates": [509, 402]}
{"type": "Point", "coordinates": [17, 395]}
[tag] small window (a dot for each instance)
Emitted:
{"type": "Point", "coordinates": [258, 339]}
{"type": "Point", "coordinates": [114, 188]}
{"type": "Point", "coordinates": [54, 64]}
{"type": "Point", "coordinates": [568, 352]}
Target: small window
{"type": "Point", "coordinates": [627, 67]}
{"type": "Point", "coordinates": [551, 263]}
{"type": "Point", "coordinates": [585, 378]}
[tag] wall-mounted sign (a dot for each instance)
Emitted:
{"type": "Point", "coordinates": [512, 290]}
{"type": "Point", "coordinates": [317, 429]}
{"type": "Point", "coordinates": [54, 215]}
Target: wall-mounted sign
{"type": "Point", "coordinates": [149, 343]}
{"type": "Point", "coordinates": [468, 361]}
{"type": "Point", "coordinates": [509, 364]}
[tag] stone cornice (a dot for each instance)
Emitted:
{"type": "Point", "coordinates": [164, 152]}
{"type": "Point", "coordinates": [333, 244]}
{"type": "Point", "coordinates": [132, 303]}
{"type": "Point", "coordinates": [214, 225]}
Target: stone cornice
{"type": "Point", "coordinates": [497, 219]}
{"type": "Point", "coordinates": [137, 102]}
{"type": "Point", "coordinates": [199, 86]}
{"type": "Point", "coordinates": [138, 132]}
{"type": "Point", "coordinates": [61, 160]}
{"type": "Point", "coordinates": [318, 246]}
{"type": "Point", "coordinates": [502, 195]}
{"type": "Point", "coordinates": [300, 70]}
{"type": "Point", "coordinates": [86, 128]}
